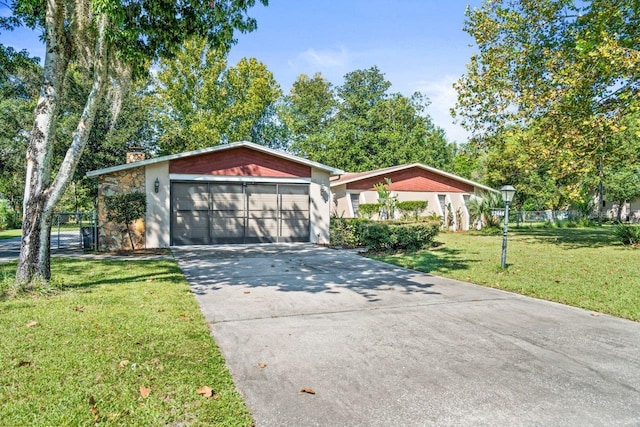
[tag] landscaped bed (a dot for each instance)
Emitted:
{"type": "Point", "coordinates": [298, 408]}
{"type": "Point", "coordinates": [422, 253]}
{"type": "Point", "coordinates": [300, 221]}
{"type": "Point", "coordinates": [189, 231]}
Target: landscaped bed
{"type": "Point", "coordinates": [582, 267]}
{"type": "Point", "coordinates": [115, 342]}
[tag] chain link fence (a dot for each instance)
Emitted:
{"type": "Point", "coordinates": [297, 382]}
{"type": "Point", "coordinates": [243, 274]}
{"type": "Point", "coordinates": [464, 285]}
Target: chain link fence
{"type": "Point", "coordinates": [74, 230]}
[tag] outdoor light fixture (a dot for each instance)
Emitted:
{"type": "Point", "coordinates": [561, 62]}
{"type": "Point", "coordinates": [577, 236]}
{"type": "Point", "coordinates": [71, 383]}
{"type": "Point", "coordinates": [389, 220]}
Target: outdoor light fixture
{"type": "Point", "coordinates": [156, 185]}
{"type": "Point", "coordinates": [507, 193]}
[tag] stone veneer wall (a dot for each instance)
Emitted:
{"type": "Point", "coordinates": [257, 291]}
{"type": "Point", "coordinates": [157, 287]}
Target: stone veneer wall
{"type": "Point", "coordinates": [112, 236]}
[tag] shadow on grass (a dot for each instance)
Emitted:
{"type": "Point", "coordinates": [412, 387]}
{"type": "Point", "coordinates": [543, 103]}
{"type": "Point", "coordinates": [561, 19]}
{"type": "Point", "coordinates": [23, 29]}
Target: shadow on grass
{"type": "Point", "coordinates": [438, 260]}
{"type": "Point", "coordinates": [85, 274]}
{"type": "Point", "coordinates": [569, 238]}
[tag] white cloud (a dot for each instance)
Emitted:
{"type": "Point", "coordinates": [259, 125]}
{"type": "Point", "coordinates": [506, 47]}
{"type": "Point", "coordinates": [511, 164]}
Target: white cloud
{"type": "Point", "coordinates": [443, 97]}
{"type": "Point", "coordinates": [335, 58]}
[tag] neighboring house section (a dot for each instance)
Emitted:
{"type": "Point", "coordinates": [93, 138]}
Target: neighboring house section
{"type": "Point", "coordinates": [629, 211]}
{"type": "Point", "coordinates": [443, 192]}
{"type": "Point", "coordinates": [232, 193]}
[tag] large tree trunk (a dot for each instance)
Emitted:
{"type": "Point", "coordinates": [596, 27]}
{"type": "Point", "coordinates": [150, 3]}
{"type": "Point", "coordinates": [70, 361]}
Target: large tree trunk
{"type": "Point", "coordinates": [36, 225]}
{"type": "Point", "coordinates": [42, 195]}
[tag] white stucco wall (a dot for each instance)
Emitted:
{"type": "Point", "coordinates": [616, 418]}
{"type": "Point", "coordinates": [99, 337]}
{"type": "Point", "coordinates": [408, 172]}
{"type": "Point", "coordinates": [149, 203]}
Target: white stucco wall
{"type": "Point", "coordinates": [342, 205]}
{"type": "Point", "coordinates": [158, 217]}
{"type": "Point", "coordinates": [320, 208]}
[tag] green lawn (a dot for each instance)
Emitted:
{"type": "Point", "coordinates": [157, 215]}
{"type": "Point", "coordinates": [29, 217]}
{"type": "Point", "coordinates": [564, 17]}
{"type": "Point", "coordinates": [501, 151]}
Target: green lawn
{"type": "Point", "coordinates": [582, 267]}
{"type": "Point", "coordinates": [7, 234]}
{"type": "Point", "coordinates": [113, 330]}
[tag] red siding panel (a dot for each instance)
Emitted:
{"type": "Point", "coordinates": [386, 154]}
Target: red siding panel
{"type": "Point", "coordinates": [240, 161]}
{"type": "Point", "coordinates": [414, 179]}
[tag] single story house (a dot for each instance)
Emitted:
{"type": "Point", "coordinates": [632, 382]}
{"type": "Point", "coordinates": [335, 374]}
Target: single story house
{"type": "Point", "coordinates": [233, 193]}
{"type": "Point", "coordinates": [441, 190]}
{"type": "Point", "coordinates": [629, 211]}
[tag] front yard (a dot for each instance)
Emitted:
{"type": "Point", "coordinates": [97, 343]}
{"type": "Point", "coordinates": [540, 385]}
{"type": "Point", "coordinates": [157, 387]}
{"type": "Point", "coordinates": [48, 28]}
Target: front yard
{"type": "Point", "coordinates": [115, 342]}
{"type": "Point", "coordinates": [582, 267]}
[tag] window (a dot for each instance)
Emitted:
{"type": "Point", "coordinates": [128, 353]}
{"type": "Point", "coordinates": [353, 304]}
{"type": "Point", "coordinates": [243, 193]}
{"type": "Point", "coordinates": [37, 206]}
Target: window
{"type": "Point", "coordinates": [355, 202]}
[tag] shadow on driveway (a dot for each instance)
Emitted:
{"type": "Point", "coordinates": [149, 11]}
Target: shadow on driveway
{"type": "Point", "coordinates": [382, 345]}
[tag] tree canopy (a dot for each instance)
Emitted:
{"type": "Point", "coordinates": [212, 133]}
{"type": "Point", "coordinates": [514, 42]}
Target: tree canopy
{"type": "Point", "coordinates": [563, 72]}
{"type": "Point", "coordinates": [360, 125]}
{"type": "Point", "coordinates": [200, 102]}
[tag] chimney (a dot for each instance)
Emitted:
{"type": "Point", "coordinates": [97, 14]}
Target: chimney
{"type": "Point", "coordinates": [135, 154]}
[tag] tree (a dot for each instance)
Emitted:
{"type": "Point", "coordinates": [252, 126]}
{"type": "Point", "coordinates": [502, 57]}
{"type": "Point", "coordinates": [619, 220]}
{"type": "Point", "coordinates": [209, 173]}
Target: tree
{"type": "Point", "coordinates": [360, 126]}
{"type": "Point", "coordinates": [564, 71]}
{"type": "Point", "coordinates": [200, 102]}
{"type": "Point", "coordinates": [111, 41]}
{"type": "Point", "coordinates": [18, 89]}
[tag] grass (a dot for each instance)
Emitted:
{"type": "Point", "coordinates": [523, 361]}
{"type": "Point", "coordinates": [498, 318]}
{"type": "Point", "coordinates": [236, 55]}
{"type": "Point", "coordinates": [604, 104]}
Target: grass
{"type": "Point", "coordinates": [582, 267]}
{"type": "Point", "coordinates": [80, 353]}
{"type": "Point", "coordinates": [8, 234]}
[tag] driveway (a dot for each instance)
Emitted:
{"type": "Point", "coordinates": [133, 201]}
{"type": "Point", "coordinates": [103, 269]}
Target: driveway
{"type": "Point", "coordinates": [381, 345]}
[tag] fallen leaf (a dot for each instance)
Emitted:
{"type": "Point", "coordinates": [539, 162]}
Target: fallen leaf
{"type": "Point", "coordinates": [32, 323]}
{"type": "Point", "coordinates": [79, 308]}
{"type": "Point", "coordinates": [308, 391]}
{"type": "Point", "coordinates": [95, 412]}
{"type": "Point", "coordinates": [145, 391]}
{"type": "Point", "coordinates": [183, 316]}
{"type": "Point", "coordinates": [205, 391]}
{"type": "Point", "coordinates": [123, 363]}
{"type": "Point", "coordinates": [262, 365]}
{"type": "Point", "coordinates": [557, 281]}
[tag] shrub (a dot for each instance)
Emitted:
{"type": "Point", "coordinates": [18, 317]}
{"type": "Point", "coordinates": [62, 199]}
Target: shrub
{"type": "Point", "coordinates": [347, 232]}
{"type": "Point", "coordinates": [9, 219]}
{"type": "Point", "coordinates": [390, 236]}
{"type": "Point", "coordinates": [367, 210]}
{"type": "Point", "coordinates": [628, 234]}
{"type": "Point", "coordinates": [125, 208]}
{"type": "Point", "coordinates": [411, 208]}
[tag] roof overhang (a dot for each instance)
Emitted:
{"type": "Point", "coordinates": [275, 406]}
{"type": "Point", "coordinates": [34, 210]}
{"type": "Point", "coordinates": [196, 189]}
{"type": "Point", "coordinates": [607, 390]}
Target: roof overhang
{"type": "Point", "coordinates": [277, 153]}
{"type": "Point", "coordinates": [386, 171]}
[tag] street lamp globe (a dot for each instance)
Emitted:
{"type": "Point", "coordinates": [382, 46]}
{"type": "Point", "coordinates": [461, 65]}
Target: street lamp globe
{"type": "Point", "coordinates": [507, 192]}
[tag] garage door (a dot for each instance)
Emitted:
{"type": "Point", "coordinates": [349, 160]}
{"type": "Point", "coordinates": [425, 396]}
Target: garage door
{"type": "Point", "coordinates": [216, 213]}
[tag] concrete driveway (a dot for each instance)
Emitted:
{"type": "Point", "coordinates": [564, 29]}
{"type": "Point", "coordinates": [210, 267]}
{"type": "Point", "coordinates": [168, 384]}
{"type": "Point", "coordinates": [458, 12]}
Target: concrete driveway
{"type": "Point", "coordinates": [384, 346]}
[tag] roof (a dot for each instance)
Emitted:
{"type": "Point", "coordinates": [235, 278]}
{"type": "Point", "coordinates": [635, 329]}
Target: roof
{"type": "Point", "coordinates": [352, 177]}
{"type": "Point", "coordinates": [222, 147]}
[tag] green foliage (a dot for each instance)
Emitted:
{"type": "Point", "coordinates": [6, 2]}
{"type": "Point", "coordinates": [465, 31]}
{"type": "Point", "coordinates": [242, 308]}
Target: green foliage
{"type": "Point", "coordinates": [201, 102]}
{"type": "Point", "coordinates": [347, 232]}
{"type": "Point", "coordinates": [564, 71]}
{"type": "Point", "coordinates": [411, 208]}
{"type": "Point", "coordinates": [9, 218]}
{"type": "Point", "coordinates": [360, 125]}
{"type": "Point", "coordinates": [392, 236]}
{"type": "Point", "coordinates": [386, 200]}
{"type": "Point", "coordinates": [480, 210]}
{"type": "Point", "coordinates": [125, 208]}
{"type": "Point", "coordinates": [628, 234]}
{"type": "Point", "coordinates": [367, 210]}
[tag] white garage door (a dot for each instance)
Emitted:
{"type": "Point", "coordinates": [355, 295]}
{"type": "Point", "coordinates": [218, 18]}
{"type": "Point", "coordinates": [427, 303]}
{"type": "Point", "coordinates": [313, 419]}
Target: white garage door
{"type": "Point", "coordinates": [215, 213]}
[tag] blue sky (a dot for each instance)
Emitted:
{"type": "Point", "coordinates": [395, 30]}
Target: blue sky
{"type": "Point", "coordinates": [418, 44]}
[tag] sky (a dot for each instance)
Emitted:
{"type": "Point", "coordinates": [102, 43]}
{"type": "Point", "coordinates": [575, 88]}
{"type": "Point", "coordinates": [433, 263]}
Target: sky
{"type": "Point", "coordinates": [418, 44]}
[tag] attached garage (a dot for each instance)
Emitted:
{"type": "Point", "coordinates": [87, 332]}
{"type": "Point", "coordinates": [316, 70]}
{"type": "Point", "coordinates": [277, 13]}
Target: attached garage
{"type": "Point", "coordinates": [228, 212]}
{"type": "Point", "coordinates": [233, 193]}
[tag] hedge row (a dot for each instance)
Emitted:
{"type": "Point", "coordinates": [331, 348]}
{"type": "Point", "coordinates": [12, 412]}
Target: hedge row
{"type": "Point", "coordinates": [383, 236]}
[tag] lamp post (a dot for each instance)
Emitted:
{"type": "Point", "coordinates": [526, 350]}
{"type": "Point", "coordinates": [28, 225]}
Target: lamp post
{"type": "Point", "coordinates": [507, 193]}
